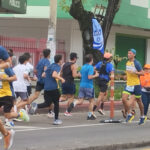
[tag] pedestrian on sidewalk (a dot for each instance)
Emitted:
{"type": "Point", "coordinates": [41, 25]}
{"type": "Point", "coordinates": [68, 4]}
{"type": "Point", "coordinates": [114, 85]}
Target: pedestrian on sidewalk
{"type": "Point", "coordinates": [51, 91]}
{"type": "Point", "coordinates": [133, 87]}
{"type": "Point", "coordinates": [145, 83]}
{"type": "Point", "coordinates": [105, 69]}
{"type": "Point", "coordinates": [86, 90]}
{"type": "Point", "coordinates": [69, 72]}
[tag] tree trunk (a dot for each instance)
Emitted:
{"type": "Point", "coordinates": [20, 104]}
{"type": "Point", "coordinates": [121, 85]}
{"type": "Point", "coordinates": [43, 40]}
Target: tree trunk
{"type": "Point", "coordinates": [112, 8]}
{"type": "Point", "coordinates": [85, 22]}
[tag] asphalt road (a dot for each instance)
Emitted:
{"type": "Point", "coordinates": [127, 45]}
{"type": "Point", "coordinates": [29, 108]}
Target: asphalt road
{"type": "Point", "coordinates": [78, 133]}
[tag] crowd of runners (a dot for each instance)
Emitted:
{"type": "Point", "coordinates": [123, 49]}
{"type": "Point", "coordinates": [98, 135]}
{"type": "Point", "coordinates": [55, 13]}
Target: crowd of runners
{"type": "Point", "coordinates": [15, 82]}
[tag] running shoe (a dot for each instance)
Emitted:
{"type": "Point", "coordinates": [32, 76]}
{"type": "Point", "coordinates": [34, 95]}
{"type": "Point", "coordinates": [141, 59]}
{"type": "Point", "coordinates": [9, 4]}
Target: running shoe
{"type": "Point", "coordinates": [24, 115]}
{"type": "Point", "coordinates": [9, 123]}
{"type": "Point", "coordinates": [1, 136]}
{"type": "Point", "coordinates": [101, 112]}
{"type": "Point", "coordinates": [33, 108]}
{"type": "Point", "coordinates": [92, 117]}
{"type": "Point", "coordinates": [142, 120]}
{"type": "Point", "coordinates": [27, 108]}
{"type": "Point", "coordinates": [8, 140]}
{"type": "Point", "coordinates": [129, 118]}
{"type": "Point", "coordinates": [67, 114]}
{"type": "Point", "coordinates": [17, 120]}
{"type": "Point", "coordinates": [57, 122]}
{"type": "Point", "coordinates": [51, 114]}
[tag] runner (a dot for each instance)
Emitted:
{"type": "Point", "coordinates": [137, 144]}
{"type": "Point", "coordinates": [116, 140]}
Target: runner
{"type": "Point", "coordinates": [20, 86]}
{"type": "Point", "coordinates": [30, 71]}
{"type": "Point", "coordinates": [133, 70]}
{"type": "Point", "coordinates": [105, 69]}
{"type": "Point", "coordinates": [7, 134]}
{"type": "Point", "coordinates": [11, 77]}
{"type": "Point", "coordinates": [51, 92]}
{"type": "Point", "coordinates": [69, 72]}
{"type": "Point", "coordinates": [86, 90]}
{"type": "Point", "coordinates": [40, 71]}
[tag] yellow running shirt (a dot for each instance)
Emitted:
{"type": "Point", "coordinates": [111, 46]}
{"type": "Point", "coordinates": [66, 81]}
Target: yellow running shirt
{"type": "Point", "coordinates": [132, 78]}
{"type": "Point", "coordinates": [4, 86]}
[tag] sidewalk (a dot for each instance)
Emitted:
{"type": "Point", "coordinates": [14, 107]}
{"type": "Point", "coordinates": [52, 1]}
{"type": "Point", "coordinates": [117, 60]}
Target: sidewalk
{"type": "Point", "coordinates": [80, 108]}
{"type": "Point", "coordinates": [84, 107]}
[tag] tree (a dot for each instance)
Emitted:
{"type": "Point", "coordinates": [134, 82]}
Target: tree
{"type": "Point", "coordinates": [84, 19]}
{"type": "Point", "coordinates": [112, 8]}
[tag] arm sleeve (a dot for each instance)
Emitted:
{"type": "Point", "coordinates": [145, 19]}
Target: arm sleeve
{"type": "Point", "coordinates": [9, 72]}
{"type": "Point", "coordinates": [137, 65]}
{"type": "Point", "coordinates": [110, 68]}
{"type": "Point", "coordinates": [54, 68]}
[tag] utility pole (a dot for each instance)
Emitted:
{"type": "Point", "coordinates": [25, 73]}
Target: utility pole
{"type": "Point", "coordinates": [51, 40]}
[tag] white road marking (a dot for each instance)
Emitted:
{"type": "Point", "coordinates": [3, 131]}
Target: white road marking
{"type": "Point", "coordinates": [63, 127]}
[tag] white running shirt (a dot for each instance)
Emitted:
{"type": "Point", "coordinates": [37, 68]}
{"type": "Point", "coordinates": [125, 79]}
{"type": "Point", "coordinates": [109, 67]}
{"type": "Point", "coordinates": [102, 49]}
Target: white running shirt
{"type": "Point", "coordinates": [20, 85]}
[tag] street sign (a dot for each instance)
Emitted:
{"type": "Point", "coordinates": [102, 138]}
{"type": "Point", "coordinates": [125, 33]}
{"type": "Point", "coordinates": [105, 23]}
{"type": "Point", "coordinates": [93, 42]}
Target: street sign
{"type": "Point", "coordinates": [13, 6]}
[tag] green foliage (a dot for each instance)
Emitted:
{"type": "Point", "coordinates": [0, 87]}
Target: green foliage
{"type": "Point", "coordinates": [118, 90]}
{"type": "Point", "coordinates": [117, 59]}
{"type": "Point", "coordinates": [64, 4]}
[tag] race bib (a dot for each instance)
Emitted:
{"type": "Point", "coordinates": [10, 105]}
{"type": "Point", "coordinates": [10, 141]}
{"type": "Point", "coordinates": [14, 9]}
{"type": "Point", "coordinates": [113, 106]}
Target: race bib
{"type": "Point", "coordinates": [130, 88]}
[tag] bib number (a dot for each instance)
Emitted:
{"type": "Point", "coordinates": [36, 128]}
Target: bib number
{"type": "Point", "coordinates": [130, 88]}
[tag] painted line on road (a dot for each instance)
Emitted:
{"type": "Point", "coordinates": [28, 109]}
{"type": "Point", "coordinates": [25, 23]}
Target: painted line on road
{"type": "Point", "coordinates": [25, 128]}
{"type": "Point", "coordinates": [63, 127]}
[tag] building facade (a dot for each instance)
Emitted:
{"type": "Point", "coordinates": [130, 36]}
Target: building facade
{"type": "Point", "coordinates": [131, 28]}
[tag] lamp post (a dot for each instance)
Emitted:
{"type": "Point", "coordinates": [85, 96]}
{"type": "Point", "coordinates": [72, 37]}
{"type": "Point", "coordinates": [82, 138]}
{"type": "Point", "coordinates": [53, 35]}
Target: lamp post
{"type": "Point", "coordinates": [51, 39]}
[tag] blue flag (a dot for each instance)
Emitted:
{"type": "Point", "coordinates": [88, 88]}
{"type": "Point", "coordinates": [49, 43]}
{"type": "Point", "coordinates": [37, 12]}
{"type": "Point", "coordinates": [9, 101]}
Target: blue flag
{"type": "Point", "coordinates": [98, 40]}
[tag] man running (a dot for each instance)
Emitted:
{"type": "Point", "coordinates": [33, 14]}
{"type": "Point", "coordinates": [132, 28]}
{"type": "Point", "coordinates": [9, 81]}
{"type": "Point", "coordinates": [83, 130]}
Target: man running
{"type": "Point", "coordinates": [40, 71]}
{"type": "Point", "coordinates": [86, 90]}
{"type": "Point", "coordinates": [69, 72]}
{"type": "Point", "coordinates": [51, 92]}
{"type": "Point", "coordinates": [133, 87]}
{"type": "Point", "coordinates": [7, 134]}
{"type": "Point", "coordinates": [105, 69]}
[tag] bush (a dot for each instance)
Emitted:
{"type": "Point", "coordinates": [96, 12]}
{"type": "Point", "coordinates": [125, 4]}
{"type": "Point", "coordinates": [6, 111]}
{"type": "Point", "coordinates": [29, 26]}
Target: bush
{"type": "Point", "coordinates": [119, 87]}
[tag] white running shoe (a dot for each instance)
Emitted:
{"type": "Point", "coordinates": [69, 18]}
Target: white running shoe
{"type": "Point", "coordinates": [51, 114]}
{"type": "Point", "coordinates": [67, 114]}
{"type": "Point", "coordinates": [33, 108]}
{"type": "Point", "coordinates": [9, 124]}
{"type": "Point", "coordinates": [17, 120]}
{"type": "Point", "coordinates": [1, 136]}
{"type": "Point", "coordinates": [8, 140]}
{"type": "Point", "coordinates": [57, 122]}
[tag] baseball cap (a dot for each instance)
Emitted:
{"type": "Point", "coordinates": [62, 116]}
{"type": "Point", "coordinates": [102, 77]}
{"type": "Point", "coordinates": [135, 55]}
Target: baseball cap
{"type": "Point", "coordinates": [107, 55]}
{"type": "Point", "coordinates": [133, 51]}
{"type": "Point", "coordinates": [147, 66]}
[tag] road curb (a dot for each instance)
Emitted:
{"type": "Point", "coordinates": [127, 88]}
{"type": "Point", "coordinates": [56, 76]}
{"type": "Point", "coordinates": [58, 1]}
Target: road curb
{"type": "Point", "coordinates": [122, 146]}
